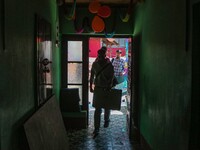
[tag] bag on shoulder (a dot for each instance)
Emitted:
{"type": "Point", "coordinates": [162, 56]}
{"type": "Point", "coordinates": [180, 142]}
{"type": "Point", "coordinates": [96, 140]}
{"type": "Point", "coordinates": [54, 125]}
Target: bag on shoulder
{"type": "Point", "coordinates": [115, 82]}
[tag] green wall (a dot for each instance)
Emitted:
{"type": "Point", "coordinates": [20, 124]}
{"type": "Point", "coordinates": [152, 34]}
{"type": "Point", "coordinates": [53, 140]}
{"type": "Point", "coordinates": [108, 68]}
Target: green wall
{"type": "Point", "coordinates": [165, 74]}
{"type": "Point", "coordinates": [17, 70]}
{"type": "Point", "coordinates": [67, 26]}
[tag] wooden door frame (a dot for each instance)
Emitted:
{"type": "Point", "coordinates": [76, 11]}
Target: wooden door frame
{"type": "Point", "coordinates": [192, 43]}
{"type": "Point", "coordinates": [85, 64]}
{"type": "Point", "coordinates": [85, 39]}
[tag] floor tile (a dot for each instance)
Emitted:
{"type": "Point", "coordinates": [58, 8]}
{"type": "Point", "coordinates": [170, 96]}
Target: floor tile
{"type": "Point", "coordinates": [115, 137]}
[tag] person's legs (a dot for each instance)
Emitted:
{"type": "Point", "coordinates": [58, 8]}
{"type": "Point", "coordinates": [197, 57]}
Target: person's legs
{"type": "Point", "coordinates": [97, 119]}
{"type": "Point", "coordinates": [106, 117]}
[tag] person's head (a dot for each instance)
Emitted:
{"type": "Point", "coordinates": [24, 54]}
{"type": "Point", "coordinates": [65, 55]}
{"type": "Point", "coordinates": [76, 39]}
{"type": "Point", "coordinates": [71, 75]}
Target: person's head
{"type": "Point", "coordinates": [101, 54]}
{"type": "Point", "coordinates": [118, 53]}
{"type": "Point", "coordinates": [104, 48]}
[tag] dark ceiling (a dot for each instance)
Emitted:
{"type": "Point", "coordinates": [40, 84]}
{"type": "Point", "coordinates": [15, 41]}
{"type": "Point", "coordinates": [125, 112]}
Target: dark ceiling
{"type": "Point", "coordinates": [114, 2]}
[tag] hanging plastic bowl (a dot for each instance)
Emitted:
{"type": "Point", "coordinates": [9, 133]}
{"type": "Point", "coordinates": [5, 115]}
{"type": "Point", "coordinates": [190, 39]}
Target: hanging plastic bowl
{"type": "Point", "coordinates": [104, 11]}
{"type": "Point", "coordinates": [94, 6]}
{"type": "Point", "coordinates": [98, 24]}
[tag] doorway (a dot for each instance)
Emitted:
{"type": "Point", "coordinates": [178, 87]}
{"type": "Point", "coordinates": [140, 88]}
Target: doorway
{"type": "Point", "coordinates": [77, 55]}
{"type": "Point", "coordinates": [124, 44]}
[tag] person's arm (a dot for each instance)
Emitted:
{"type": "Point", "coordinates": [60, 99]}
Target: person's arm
{"type": "Point", "coordinates": [123, 67]}
{"type": "Point", "coordinates": [114, 80]}
{"type": "Point", "coordinates": [92, 80]}
{"type": "Point", "coordinates": [108, 73]}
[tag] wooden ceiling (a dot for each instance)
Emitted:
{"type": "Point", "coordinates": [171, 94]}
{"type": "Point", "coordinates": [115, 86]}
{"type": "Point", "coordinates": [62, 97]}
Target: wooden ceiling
{"type": "Point", "coordinates": [115, 2]}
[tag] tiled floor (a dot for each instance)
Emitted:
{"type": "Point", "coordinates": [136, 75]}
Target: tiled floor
{"type": "Point", "coordinates": [114, 137]}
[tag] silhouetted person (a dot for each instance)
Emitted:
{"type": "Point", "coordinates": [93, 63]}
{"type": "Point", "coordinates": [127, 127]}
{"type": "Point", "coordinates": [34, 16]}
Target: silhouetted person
{"type": "Point", "coordinates": [102, 74]}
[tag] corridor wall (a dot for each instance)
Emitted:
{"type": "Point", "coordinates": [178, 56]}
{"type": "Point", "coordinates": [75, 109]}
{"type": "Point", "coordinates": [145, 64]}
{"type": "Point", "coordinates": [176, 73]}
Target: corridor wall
{"type": "Point", "coordinates": [17, 66]}
{"type": "Point", "coordinates": [165, 74]}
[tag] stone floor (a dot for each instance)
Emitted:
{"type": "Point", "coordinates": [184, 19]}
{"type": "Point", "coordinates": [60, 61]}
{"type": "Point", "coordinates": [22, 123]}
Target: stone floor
{"type": "Point", "coordinates": [115, 137]}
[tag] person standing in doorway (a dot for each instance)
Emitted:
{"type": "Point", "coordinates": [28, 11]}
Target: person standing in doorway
{"type": "Point", "coordinates": [104, 48]}
{"type": "Point", "coordinates": [101, 78]}
{"type": "Point", "coordinates": [118, 64]}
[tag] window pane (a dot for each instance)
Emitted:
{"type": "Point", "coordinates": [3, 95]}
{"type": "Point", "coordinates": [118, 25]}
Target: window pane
{"type": "Point", "coordinates": [45, 92]}
{"type": "Point", "coordinates": [74, 50]}
{"type": "Point", "coordinates": [45, 74]}
{"type": "Point", "coordinates": [80, 91]}
{"type": "Point", "coordinates": [44, 50]}
{"type": "Point", "coordinates": [74, 73]}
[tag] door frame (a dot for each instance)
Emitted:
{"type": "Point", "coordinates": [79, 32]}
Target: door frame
{"type": "Point", "coordinates": [193, 45]}
{"type": "Point", "coordinates": [64, 72]}
{"type": "Point", "coordinates": [85, 98]}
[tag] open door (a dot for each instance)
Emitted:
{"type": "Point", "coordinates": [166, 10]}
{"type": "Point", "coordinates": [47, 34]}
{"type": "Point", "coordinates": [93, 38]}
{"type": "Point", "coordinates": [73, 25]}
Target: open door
{"type": "Point", "coordinates": [77, 55]}
{"type": "Point", "coordinates": [124, 44]}
{"type": "Point", "coordinates": [74, 72]}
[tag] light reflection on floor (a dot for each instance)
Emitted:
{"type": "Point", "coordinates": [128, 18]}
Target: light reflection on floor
{"type": "Point", "coordinates": [115, 137]}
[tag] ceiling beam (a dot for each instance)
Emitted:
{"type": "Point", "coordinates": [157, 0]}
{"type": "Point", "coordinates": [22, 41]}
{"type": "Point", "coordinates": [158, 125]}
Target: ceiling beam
{"type": "Point", "coordinates": [100, 1]}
